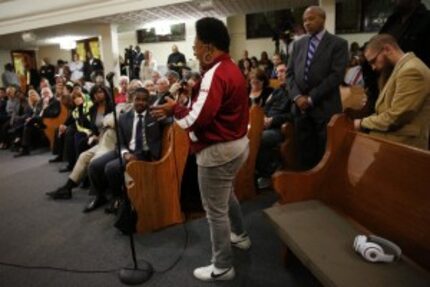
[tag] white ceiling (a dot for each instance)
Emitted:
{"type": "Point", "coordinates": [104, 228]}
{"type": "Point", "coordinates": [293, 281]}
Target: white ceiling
{"type": "Point", "coordinates": [197, 9]}
{"type": "Point", "coordinates": [130, 21]}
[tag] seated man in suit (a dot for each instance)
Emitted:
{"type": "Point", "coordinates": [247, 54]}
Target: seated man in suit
{"type": "Point", "coordinates": [402, 111]}
{"type": "Point", "coordinates": [276, 113]}
{"type": "Point", "coordinates": [140, 138]}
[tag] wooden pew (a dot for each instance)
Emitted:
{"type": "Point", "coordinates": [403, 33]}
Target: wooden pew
{"type": "Point", "coordinates": [155, 187]}
{"type": "Point", "coordinates": [244, 184]}
{"type": "Point", "coordinates": [362, 185]}
{"type": "Point", "coordinates": [52, 125]}
{"type": "Point", "coordinates": [289, 161]}
{"type": "Point", "coordinates": [274, 83]}
{"type": "Point", "coordinates": [352, 98]}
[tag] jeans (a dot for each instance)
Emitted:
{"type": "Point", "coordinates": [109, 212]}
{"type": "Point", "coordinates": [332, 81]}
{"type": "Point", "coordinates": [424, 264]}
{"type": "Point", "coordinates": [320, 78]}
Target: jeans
{"type": "Point", "coordinates": [222, 208]}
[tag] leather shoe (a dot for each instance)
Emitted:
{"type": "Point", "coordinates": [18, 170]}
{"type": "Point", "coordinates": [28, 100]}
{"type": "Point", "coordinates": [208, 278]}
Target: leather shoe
{"type": "Point", "coordinates": [56, 159]}
{"type": "Point", "coordinates": [61, 193]}
{"type": "Point", "coordinates": [113, 206]}
{"type": "Point", "coordinates": [95, 203]}
{"type": "Point", "coordinates": [22, 153]}
{"type": "Point", "coordinates": [65, 169]}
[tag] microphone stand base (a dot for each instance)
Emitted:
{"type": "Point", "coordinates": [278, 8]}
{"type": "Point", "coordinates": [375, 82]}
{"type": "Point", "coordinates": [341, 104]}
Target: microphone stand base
{"type": "Point", "coordinates": [132, 276]}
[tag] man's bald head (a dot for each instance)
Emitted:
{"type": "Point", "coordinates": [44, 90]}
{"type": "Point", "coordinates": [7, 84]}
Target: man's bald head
{"type": "Point", "coordinates": [314, 19]}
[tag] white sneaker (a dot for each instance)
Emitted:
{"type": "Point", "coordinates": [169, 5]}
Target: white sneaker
{"type": "Point", "coordinates": [211, 273]}
{"type": "Point", "coordinates": [240, 241]}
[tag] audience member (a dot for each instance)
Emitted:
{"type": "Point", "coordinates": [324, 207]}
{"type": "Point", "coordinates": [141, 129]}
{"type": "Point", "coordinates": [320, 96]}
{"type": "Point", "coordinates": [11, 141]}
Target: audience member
{"type": "Point", "coordinates": [276, 113]}
{"type": "Point", "coordinates": [47, 71]}
{"type": "Point", "coordinates": [76, 68]}
{"type": "Point", "coordinates": [137, 61]}
{"type": "Point", "coordinates": [148, 66]}
{"type": "Point", "coordinates": [176, 59]}
{"type": "Point", "coordinates": [140, 139]}
{"type": "Point", "coordinates": [9, 77]}
{"type": "Point", "coordinates": [265, 64]}
{"type": "Point", "coordinates": [121, 95]}
{"type": "Point", "coordinates": [402, 112]}
{"type": "Point", "coordinates": [260, 89]}
{"type": "Point", "coordinates": [47, 107]}
{"type": "Point", "coordinates": [276, 60]}
{"type": "Point", "coordinates": [243, 59]}
{"type": "Point", "coordinates": [92, 66]}
{"type": "Point", "coordinates": [13, 108]}
{"type": "Point", "coordinates": [315, 71]}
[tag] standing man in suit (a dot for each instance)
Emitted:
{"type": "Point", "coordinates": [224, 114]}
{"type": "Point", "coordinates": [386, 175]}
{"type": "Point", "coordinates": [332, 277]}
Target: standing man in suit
{"type": "Point", "coordinates": [140, 139]}
{"type": "Point", "coordinates": [92, 66]}
{"type": "Point", "coordinates": [402, 111]}
{"type": "Point", "coordinates": [315, 71]}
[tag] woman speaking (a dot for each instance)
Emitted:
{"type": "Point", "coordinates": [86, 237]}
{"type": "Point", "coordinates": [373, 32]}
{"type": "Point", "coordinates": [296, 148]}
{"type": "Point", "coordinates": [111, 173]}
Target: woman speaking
{"type": "Point", "coordinates": [216, 119]}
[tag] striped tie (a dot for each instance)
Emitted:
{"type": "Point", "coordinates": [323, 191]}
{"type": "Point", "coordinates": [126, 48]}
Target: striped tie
{"type": "Point", "coordinates": [313, 43]}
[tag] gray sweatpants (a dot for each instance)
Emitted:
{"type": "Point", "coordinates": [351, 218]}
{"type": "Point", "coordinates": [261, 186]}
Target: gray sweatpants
{"type": "Point", "coordinates": [222, 208]}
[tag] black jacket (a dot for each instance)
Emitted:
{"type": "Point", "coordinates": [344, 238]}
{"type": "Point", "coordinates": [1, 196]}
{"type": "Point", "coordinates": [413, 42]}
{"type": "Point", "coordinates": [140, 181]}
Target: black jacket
{"type": "Point", "coordinates": [278, 107]}
{"type": "Point", "coordinates": [153, 132]}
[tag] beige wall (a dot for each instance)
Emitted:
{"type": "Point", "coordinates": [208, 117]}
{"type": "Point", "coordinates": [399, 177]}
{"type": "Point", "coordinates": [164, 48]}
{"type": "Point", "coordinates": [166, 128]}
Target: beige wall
{"type": "Point", "coordinates": [161, 51]}
{"type": "Point", "coordinates": [53, 53]}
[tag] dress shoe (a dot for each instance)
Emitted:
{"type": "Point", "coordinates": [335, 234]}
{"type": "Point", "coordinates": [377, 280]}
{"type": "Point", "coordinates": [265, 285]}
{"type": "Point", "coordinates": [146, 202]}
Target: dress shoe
{"type": "Point", "coordinates": [56, 159]}
{"type": "Point", "coordinates": [113, 206]}
{"type": "Point", "coordinates": [61, 193]}
{"type": "Point", "coordinates": [22, 153]}
{"type": "Point", "coordinates": [65, 169]}
{"type": "Point", "coordinates": [95, 203]}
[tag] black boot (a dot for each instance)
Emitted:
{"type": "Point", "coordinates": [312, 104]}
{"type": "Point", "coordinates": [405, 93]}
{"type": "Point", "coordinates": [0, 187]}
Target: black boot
{"type": "Point", "coordinates": [56, 159]}
{"type": "Point", "coordinates": [24, 151]}
{"type": "Point", "coordinates": [64, 192]}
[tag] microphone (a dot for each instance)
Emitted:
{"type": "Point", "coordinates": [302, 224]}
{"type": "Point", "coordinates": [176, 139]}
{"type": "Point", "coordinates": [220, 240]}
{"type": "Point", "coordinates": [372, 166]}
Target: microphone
{"type": "Point", "coordinates": [109, 76]}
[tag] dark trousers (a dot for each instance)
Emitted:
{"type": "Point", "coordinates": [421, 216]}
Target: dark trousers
{"type": "Point", "coordinates": [310, 135]}
{"type": "Point", "coordinates": [268, 159]}
{"type": "Point", "coordinates": [32, 136]}
{"type": "Point", "coordinates": [58, 147]}
{"type": "Point", "coordinates": [69, 146]}
{"type": "Point", "coordinates": [106, 173]}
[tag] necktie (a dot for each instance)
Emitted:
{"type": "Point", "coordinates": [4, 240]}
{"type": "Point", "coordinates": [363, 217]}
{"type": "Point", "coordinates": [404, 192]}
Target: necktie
{"type": "Point", "coordinates": [313, 42]}
{"type": "Point", "coordinates": [139, 135]}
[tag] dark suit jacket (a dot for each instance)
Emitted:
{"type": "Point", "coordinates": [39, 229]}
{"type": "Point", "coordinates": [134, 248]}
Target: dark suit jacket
{"type": "Point", "coordinates": [153, 132]}
{"type": "Point", "coordinates": [326, 73]}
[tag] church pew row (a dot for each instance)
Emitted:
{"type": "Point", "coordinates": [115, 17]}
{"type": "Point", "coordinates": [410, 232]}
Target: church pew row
{"type": "Point", "coordinates": [52, 125]}
{"type": "Point", "coordinates": [155, 187]}
{"type": "Point", "coordinates": [363, 185]}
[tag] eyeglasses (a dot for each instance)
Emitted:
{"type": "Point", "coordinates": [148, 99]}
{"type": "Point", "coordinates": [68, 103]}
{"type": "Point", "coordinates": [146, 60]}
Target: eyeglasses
{"type": "Point", "coordinates": [373, 60]}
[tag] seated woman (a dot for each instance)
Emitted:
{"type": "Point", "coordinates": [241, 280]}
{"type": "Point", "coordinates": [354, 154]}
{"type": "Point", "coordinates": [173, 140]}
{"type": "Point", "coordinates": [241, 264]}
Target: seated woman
{"type": "Point", "coordinates": [29, 109]}
{"type": "Point", "coordinates": [260, 89]}
{"type": "Point", "coordinates": [88, 121]}
{"type": "Point", "coordinates": [47, 107]}
{"type": "Point", "coordinates": [12, 109]}
{"type": "Point", "coordinates": [121, 95]}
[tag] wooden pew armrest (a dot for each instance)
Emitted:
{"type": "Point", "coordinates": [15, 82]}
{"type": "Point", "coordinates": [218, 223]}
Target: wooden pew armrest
{"type": "Point", "coordinates": [298, 186]}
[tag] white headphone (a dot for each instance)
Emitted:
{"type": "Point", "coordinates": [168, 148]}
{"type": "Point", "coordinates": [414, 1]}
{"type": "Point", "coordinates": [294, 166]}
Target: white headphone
{"type": "Point", "coordinates": [376, 249]}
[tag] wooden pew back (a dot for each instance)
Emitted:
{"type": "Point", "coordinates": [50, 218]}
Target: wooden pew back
{"type": "Point", "coordinates": [155, 187]}
{"type": "Point", "coordinates": [244, 185]}
{"type": "Point", "coordinates": [384, 186]}
{"type": "Point", "coordinates": [53, 123]}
